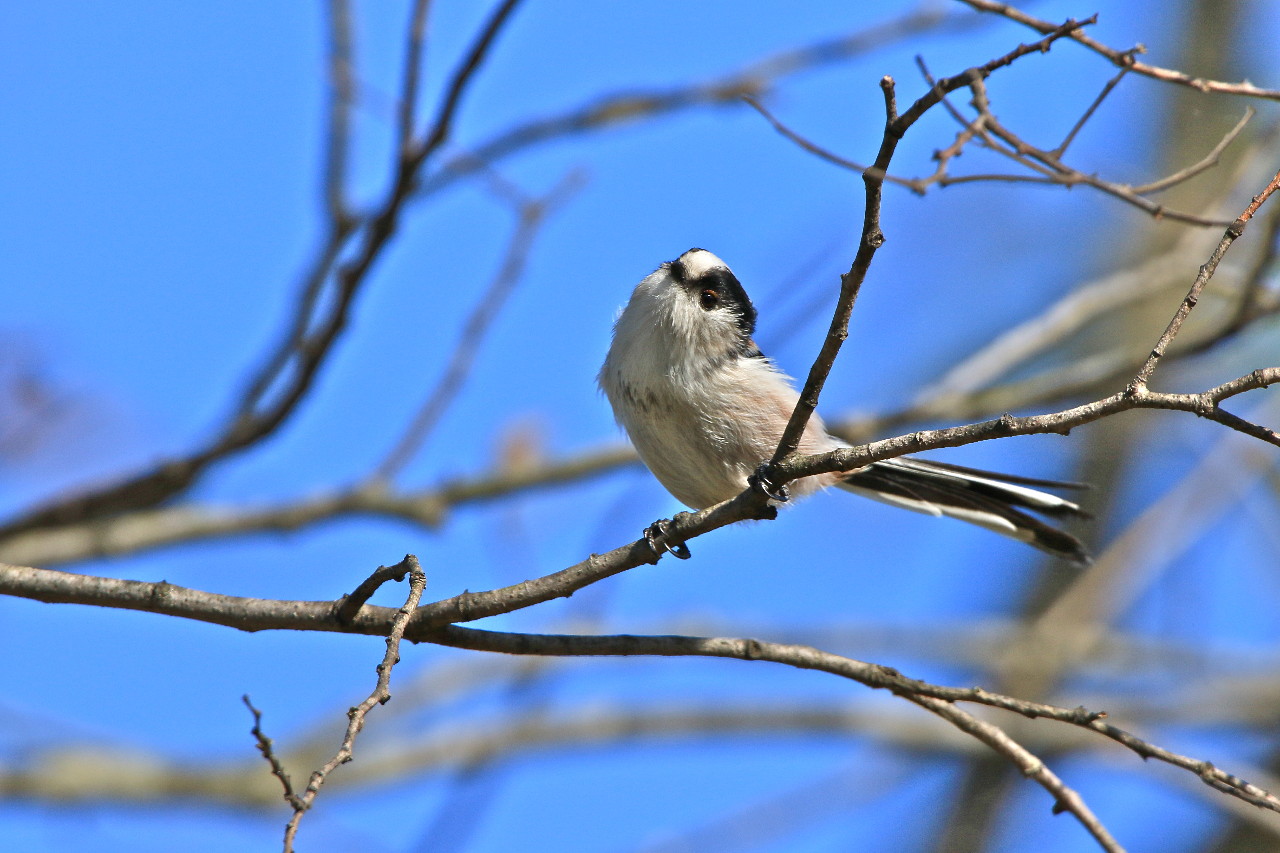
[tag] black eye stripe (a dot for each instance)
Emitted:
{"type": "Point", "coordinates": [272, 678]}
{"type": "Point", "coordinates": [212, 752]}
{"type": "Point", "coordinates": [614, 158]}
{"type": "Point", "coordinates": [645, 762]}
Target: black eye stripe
{"type": "Point", "coordinates": [716, 287]}
{"type": "Point", "coordinates": [729, 292]}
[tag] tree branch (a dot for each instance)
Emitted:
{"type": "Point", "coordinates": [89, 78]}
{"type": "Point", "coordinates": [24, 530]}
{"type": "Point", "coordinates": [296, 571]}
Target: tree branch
{"type": "Point", "coordinates": [381, 694]}
{"type": "Point", "coordinates": [873, 238]}
{"type": "Point", "coordinates": [1125, 59]}
{"type": "Point", "coordinates": [265, 614]}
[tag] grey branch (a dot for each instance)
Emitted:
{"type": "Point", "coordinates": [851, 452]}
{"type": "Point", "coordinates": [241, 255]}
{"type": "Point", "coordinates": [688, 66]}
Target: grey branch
{"type": "Point", "coordinates": [1125, 58]}
{"type": "Point", "coordinates": [381, 694]}
{"type": "Point", "coordinates": [251, 614]}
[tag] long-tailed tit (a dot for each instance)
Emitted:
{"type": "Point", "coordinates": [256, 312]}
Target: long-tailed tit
{"type": "Point", "coordinates": [704, 408]}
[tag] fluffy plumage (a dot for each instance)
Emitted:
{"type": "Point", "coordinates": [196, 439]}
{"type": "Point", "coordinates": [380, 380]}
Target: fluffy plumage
{"type": "Point", "coordinates": [704, 408]}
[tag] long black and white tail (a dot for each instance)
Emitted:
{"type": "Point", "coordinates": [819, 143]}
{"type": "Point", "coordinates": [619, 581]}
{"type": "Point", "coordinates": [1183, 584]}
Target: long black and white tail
{"type": "Point", "coordinates": [994, 501]}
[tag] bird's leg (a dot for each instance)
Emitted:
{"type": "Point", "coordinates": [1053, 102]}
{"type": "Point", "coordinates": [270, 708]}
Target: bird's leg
{"type": "Point", "coordinates": [761, 482]}
{"type": "Point", "coordinates": [656, 536]}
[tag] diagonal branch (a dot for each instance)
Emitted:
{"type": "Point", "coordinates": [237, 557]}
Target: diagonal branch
{"type": "Point", "coordinates": [406, 117]}
{"type": "Point", "coordinates": [1065, 799]}
{"type": "Point", "coordinates": [1124, 58]}
{"type": "Point", "coordinates": [1139, 383]}
{"type": "Point", "coordinates": [381, 694]}
{"type": "Point", "coordinates": [532, 214]}
{"type": "Point", "coordinates": [275, 394]}
{"type": "Point", "coordinates": [872, 237]}
{"type": "Point", "coordinates": [754, 80]}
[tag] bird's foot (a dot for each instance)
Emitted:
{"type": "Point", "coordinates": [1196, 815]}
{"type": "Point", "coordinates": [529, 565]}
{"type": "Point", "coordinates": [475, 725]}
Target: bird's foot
{"type": "Point", "coordinates": [761, 483]}
{"type": "Point", "coordinates": [656, 537]}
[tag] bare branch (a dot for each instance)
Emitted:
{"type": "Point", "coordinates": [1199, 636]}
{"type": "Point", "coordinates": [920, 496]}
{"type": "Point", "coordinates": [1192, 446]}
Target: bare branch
{"type": "Point", "coordinates": [442, 124]}
{"type": "Point", "coordinates": [872, 238]}
{"type": "Point", "coordinates": [1057, 172]}
{"type": "Point", "coordinates": [1047, 165]}
{"type": "Point", "coordinates": [341, 97]}
{"type": "Point", "coordinates": [754, 81]}
{"type": "Point", "coordinates": [1065, 799]}
{"type": "Point", "coordinates": [1210, 160]}
{"type": "Point", "coordinates": [356, 716]}
{"type": "Point", "coordinates": [1125, 59]}
{"type": "Point", "coordinates": [1139, 383]}
{"type": "Point", "coordinates": [409, 85]}
{"type": "Point", "coordinates": [532, 214]}
{"type": "Point", "coordinates": [1088, 113]}
{"type": "Point", "coordinates": [823, 153]}
{"type": "Point", "coordinates": [262, 614]}
{"type": "Point", "coordinates": [345, 608]}
{"type": "Point", "coordinates": [267, 747]}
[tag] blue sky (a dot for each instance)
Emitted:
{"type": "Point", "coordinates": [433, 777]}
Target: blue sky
{"type": "Point", "coordinates": [162, 168]}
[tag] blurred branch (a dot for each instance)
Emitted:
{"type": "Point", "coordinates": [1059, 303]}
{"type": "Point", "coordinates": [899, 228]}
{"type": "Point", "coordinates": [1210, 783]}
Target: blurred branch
{"type": "Point", "coordinates": [146, 529]}
{"type": "Point", "coordinates": [82, 773]}
{"type": "Point", "coordinates": [32, 407]}
{"type": "Point", "coordinates": [754, 81]}
{"type": "Point", "coordinates": [531, 214]}
{"type": "Point", "coordinates": [770, 820]}
{"type": "Point", "coordinates": [1125, 59]}
{"type": "Point", "coordinates": [341, 98]}
{"type": "Point", "coordinates": [409, 78]}
{"type": "Point", "coordinates": [288, 373]}
{"type": "Point", "coordinates": [288, 376]}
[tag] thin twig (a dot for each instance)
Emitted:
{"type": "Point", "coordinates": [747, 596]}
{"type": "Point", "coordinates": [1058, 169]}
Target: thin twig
{"type": "Point", "coordinates": [346, 608]}
{"type": "Point", "coordinates": [823, 153]}
{"type": "Point", "coordinates": [1208, 161]}
{"type": "Point", "coordinates": [267, 747]}
{"type": "Point", "coordinates": [532, 213]}
{"type": "Point", "coordinates": [1139, 383]}
{"type": "Point", "coordinates": [1088, 113]}
{"type": "Point", "coordinates": [1125, 58]}
{"type": "Point", "coordinates": [1065, 799]}
{"type": "Point", "coordinates": [410, 77]}
{"type": "Point", "coordinates": [356, 716]}
{"type": "Point", "coordinates": [896, 125]}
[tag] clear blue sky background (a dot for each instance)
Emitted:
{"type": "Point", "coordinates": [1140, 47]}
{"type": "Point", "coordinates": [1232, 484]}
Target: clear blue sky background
{"type": "Point", "coordinates": [160, 171]}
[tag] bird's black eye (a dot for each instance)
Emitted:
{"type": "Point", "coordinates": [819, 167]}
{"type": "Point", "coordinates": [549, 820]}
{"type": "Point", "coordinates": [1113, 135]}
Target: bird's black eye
{"type": "Point", "coordinates": [709, 299]}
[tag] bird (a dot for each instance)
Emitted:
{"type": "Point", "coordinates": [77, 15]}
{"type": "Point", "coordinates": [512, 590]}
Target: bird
{"type": "Point", "coordinates": [705, 408]}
